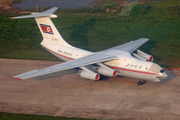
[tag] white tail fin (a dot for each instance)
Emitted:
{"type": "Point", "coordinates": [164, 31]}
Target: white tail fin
{"type": "Point", "coordinates": [46, 27]}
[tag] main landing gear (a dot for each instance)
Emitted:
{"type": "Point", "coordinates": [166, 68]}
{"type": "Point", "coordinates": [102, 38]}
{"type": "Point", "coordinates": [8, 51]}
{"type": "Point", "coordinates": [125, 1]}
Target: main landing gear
{"type": "Point", "coordinates": [141, 82]}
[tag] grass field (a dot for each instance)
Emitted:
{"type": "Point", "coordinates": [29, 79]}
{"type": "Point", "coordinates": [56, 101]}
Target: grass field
{"type": "Point", "coordinates": [93, 29]}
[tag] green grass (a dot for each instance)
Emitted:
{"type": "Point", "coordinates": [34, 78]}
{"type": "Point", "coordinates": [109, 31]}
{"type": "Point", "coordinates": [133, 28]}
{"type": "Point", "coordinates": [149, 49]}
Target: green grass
{"type": "Point", "coordinates": [97, 30]}
{"type": "Point", "coordinates": [13, 116]}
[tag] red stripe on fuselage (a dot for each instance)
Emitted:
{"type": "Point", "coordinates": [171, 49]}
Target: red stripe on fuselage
{"type": "Point", "coordinates": [58, 53]}
{"type": "Point", "coordinates": [132, 70]}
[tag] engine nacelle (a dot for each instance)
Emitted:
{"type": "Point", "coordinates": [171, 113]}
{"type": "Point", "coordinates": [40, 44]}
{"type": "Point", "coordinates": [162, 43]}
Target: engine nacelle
{"type": "Point", "coordinates": [139, 57]}
{"type": "Point", "coordinates": [107, 72]}
{"type": "Point", "coordinates": [89, 75]}
{"type": "Point", "coordinates": [143, 56]}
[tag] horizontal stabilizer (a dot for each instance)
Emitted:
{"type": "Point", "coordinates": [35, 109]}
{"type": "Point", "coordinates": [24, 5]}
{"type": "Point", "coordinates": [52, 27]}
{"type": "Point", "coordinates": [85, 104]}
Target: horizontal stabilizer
{"type": "Point", "coordinates": [48, 13]}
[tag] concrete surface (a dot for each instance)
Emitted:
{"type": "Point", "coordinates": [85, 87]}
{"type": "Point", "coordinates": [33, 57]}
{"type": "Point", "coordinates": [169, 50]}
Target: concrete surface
{"type": "Point", "coordinates": [72, 96]}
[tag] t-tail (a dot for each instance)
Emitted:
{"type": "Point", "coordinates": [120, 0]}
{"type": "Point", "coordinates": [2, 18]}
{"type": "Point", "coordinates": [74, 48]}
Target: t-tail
{"type": "Point", "coordinates": [48, 30]}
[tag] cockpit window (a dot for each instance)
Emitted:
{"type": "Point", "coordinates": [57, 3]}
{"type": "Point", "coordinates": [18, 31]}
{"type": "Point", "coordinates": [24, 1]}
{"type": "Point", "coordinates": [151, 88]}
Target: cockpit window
{"type": "Point", "coordinates": [161, 71]}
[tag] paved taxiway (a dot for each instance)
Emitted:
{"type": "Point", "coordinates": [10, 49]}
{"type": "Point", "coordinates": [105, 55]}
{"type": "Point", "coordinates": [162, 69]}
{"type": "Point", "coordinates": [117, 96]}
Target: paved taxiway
{"type": "Point", "coordinates": [72, 96]}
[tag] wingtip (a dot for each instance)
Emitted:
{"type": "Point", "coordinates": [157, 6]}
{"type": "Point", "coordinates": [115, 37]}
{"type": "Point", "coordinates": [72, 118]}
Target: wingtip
{"type": "Point", "coordinates": [17, 78]}
{"type": "Point", "coordinates": [12, 18]}
{"type": "Point", "coordinates": [145, 38]}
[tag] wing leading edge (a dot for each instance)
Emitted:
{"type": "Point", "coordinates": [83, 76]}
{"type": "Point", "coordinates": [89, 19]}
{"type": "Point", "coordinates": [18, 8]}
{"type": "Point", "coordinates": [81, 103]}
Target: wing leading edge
{"type": "Point", "coordinates": [130, 47]}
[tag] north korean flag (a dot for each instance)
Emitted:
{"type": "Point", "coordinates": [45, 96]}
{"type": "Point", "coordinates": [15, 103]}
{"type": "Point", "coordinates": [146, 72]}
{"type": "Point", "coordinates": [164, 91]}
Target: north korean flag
{"type": "Point", "coordinates": [46, 29]}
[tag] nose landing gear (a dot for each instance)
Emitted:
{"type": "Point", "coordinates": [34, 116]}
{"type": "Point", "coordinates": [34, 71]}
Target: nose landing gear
{"type": "Point", "coordinates": [141, 82]}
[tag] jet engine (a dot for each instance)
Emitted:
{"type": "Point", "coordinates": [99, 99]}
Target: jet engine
{"type": "Point", "coordinates": [89, 75]}
{"type": "Point", "coordinates": [142, 56]}
{"type": "Point", "coordinates": [107, 72]}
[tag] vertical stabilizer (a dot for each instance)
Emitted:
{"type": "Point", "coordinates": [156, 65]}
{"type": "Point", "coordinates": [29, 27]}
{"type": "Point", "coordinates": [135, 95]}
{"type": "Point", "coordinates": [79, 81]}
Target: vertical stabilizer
{"type": "Point", "coordinates": [48, 30]}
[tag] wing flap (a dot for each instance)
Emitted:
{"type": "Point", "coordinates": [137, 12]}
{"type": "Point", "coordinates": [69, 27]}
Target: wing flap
{"type": "Point", "coordinates": [90, 59]}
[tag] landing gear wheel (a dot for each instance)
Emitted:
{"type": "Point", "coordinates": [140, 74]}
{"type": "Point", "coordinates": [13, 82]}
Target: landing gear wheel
{"type": "Point", "coordinates": [141, 82]}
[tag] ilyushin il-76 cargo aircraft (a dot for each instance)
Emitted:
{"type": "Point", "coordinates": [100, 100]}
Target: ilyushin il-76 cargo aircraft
{"type": "Point", "coordinates": [123, 60]}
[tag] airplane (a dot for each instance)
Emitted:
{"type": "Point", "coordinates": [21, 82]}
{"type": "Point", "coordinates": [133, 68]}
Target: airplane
{"type": "Point", "coordinates": [123, 60]}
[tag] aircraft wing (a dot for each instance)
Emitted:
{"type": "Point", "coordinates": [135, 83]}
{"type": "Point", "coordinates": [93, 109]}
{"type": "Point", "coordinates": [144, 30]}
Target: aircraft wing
{"type": "Point", "coordinates": [130, 47]}
{"type": "Point", "coordinates": [87, 60]}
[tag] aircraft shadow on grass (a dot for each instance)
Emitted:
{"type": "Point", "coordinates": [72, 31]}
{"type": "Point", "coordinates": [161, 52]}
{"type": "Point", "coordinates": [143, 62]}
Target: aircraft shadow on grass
{"type": "Point", "coordinates": [80, 33]}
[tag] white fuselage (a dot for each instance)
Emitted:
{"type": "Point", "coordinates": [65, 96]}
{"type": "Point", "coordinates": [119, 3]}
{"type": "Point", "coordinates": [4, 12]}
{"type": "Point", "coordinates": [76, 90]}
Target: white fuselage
{"type": "Point", "coordinates": [126, 64]}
